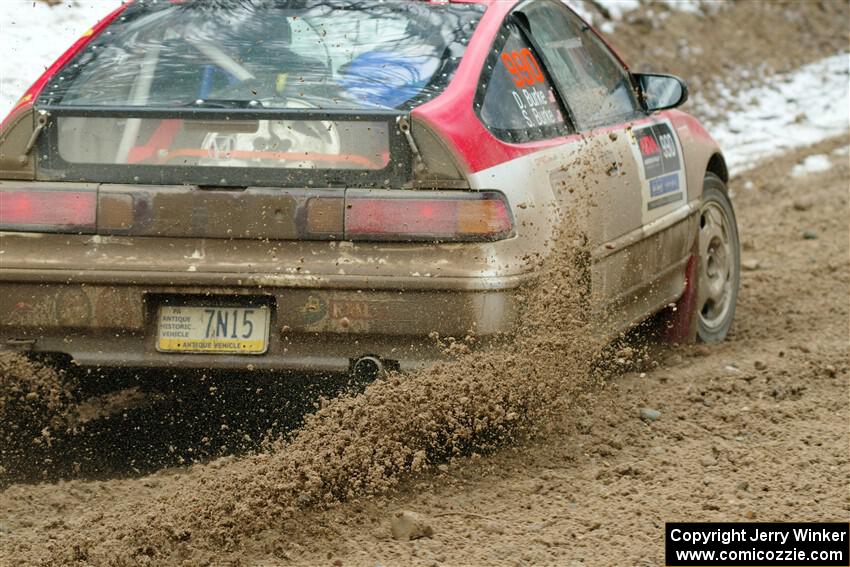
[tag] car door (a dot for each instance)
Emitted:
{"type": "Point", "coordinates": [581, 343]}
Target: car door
{"type": "Point", "coordinates": [630, 166]}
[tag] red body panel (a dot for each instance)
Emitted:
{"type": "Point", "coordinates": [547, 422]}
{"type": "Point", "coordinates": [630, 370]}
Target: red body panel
{"type": "Point", "coordinates": [683, 119]}
{"type": "Point", "coordinates": [452, 116]}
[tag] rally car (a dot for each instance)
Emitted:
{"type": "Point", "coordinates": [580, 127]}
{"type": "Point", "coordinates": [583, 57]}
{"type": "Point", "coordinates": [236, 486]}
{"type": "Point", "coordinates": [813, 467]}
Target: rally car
{"type": "Point", "coordinates": [326, 185]}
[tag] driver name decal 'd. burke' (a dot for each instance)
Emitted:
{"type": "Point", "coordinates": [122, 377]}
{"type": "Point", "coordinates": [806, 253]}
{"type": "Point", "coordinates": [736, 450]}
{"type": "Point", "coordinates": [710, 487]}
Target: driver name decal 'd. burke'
{"type": "Point", "coordinates": [662, 164]}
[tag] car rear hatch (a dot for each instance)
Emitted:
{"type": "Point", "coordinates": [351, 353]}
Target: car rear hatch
{"type": "Point", "coordinates": [187, 189]}
{"type": "Point", "coordinates": [217, 173]}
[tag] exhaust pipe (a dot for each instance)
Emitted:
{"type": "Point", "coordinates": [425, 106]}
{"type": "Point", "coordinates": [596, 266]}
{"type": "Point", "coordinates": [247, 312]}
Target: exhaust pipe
{"type": "Point", "coordinates": [368, 367]}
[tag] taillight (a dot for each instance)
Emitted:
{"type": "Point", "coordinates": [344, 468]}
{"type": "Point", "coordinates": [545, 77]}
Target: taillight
{"type": "Point", "coordinates": [48, 211]}
{"type": "Point", "coordinates": [421, 215]}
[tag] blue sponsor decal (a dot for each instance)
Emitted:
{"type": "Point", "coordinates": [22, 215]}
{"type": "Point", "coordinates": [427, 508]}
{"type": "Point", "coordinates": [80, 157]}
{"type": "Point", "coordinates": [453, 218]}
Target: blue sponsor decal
{"type": "Point", "coordinates": [663, 185]}
{"type": "Point", "coordinates": [662, 164]}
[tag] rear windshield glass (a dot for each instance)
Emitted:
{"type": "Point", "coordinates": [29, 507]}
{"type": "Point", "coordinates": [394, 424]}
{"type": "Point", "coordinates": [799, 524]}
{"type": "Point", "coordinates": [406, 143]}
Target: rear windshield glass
{"type": "Point", "coordinates": [272, 53]}
{"type": "Point", "coordinates": [285, 144]}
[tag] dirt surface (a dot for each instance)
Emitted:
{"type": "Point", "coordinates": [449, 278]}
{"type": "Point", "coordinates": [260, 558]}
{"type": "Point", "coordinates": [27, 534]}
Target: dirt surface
{"type": "Point", "coordinates": [540, 453]}
{"type": "Point", "coordinates": [35, 401]}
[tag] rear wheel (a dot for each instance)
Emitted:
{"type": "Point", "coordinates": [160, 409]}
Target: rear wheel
{"type": "Point", "coordinates": [719, 269]}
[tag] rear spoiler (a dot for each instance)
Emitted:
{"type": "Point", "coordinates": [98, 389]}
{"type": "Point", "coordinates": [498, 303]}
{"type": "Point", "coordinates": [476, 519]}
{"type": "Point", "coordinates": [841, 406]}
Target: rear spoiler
{"type": "Point", "coordinates": [200, 112]}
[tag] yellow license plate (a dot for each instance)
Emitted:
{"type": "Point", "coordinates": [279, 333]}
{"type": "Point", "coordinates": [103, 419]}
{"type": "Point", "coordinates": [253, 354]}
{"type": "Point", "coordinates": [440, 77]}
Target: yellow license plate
{"type": "Point", "coordinates": [224, 330]}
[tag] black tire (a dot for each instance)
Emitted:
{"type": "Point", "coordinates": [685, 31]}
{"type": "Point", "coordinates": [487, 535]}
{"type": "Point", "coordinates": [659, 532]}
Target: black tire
{"type": "Point", "coordinates": [719, 270]}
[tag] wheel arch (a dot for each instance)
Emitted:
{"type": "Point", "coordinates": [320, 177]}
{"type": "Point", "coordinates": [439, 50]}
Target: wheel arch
{"type": "Point", "coordinates": [717, 166]}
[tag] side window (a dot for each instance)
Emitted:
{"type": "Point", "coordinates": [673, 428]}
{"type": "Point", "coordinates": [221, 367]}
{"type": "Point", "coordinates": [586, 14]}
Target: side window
{"type": "Point", "coordinates": [595, 85]}
{"type": "Point", "coordinates": [515, 101]}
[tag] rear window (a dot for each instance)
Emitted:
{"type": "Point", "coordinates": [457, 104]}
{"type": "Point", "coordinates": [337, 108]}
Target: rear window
{"type": "Point", "coordinates": [270, 53]}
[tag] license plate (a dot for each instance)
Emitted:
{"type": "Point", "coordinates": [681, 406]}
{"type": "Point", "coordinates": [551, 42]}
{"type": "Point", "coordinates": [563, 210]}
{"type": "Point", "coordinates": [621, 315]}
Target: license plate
{"type": "Point", "coordinates": [227, 330]}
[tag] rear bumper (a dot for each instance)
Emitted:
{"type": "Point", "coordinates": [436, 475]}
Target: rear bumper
{"type": "Point", "coordinates": [109, 319]}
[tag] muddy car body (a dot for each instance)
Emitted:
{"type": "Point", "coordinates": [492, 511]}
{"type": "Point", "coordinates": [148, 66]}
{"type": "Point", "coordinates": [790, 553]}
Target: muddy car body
{"type": "Point", "coordinates": [150, 220]}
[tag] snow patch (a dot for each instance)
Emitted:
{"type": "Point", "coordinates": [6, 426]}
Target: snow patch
{"type": "Point", "coordinates": [33, 35]}
{"type": "Point", "coordinates": [812, 164]}
{"type": "Point", "coordinates": [617, 8]}
{"type": "Point", "coordinates": [795, 109]}
{"type": "Point", "coordinates": [692, 6]}
{"type": "Point", "coordinates": [607, 14]}
{"type": "Point", "coordinates": [614, 8]}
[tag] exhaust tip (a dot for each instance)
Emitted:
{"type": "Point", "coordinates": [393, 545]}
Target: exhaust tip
{"type": "Point", "coordinates": [368, 367]}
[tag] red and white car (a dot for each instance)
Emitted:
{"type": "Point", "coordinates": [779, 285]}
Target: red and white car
{"type": "Point", "coordinates": [324, 185]}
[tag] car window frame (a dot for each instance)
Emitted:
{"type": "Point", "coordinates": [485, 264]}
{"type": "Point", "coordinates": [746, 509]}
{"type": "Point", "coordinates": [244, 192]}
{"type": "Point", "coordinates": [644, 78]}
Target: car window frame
{"type": "Point", "coordinates": [639, 108]}
{"type": "Point", "coordinates": [527, 135]}
{"type": "Point", "coordinates": [53, 167]}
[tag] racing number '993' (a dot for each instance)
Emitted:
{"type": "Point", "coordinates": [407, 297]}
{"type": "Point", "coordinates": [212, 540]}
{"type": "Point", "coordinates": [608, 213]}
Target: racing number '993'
{"type": "Point", "coordinates": [523, 68]}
